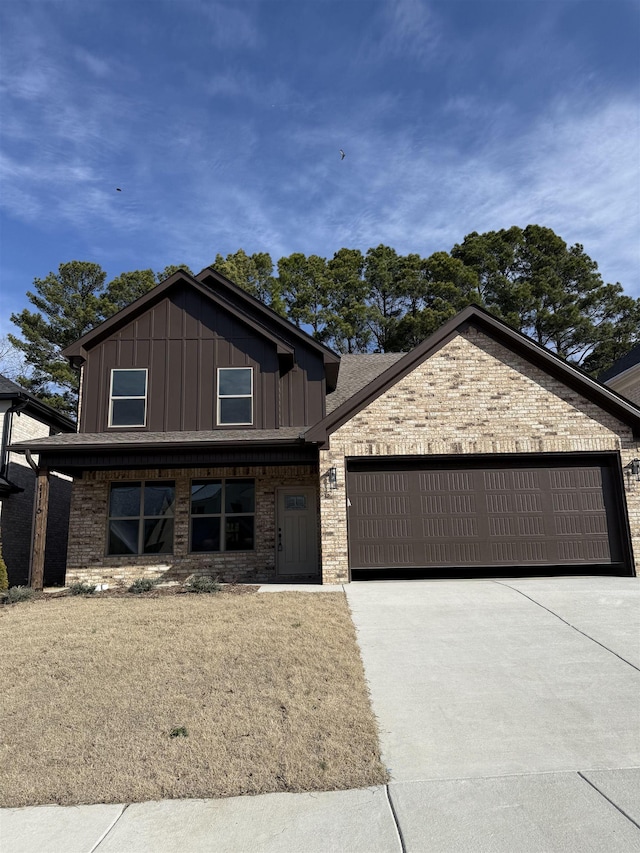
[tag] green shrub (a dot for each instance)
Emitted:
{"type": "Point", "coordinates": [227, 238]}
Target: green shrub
{"type": "Point", "coordinates": [82, 588]}
{"type": "Point", "coordinates": [142, 585]}
{"type": "Point", "coordinates": [202, 583]}
{"type": "Point", "coordinates": [19, 593]}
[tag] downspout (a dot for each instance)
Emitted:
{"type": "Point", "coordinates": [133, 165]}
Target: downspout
{"type": "Point", "coordinates": [6, 432]}
{"type": "Point", "coordinates": [29, 458]}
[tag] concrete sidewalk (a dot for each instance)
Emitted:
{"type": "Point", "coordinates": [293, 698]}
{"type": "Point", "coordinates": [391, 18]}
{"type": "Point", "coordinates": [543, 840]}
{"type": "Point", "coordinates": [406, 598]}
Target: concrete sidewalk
{"type": "Point", "coordinates": [509, 720]}
{"type": "Point", "coordinates": [591, 812]}
{"type": "Point", "coordinates": [358, 821]}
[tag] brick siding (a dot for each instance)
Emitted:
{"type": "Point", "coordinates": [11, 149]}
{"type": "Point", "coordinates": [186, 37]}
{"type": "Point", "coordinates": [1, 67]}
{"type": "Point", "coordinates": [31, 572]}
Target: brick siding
{"type": "Point", "coordinates": [86, 560]}
{"type": "Point", "coordinates": [472, 396]}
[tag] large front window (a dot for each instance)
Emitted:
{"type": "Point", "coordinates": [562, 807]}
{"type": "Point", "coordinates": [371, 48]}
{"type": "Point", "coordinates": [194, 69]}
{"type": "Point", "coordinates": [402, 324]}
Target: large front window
{"type": "Point", "coordinates": [128, 401]}
{"type": "Point", "coordinates": [222, 515]}
{"type": "Point", "coordinates": [235, 395]}
{"type": "Point", "coordinates": [141, 517]}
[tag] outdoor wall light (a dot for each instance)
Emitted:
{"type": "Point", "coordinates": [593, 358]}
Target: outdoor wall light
{"type": "Point", "coordinates": [633, 471]}
{"type": "Point", "coordinates": [333, 478]}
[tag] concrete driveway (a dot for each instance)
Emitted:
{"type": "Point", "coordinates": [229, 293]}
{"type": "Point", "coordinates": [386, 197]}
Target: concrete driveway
{"type": "Point", "coordinates": [509, 710]}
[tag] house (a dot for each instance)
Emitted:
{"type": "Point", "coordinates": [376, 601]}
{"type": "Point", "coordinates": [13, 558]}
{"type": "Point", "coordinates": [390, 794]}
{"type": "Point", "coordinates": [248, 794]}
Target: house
{"type": "Point", "coordinates": [624, 375]}
{"type": "Point", "coordinates": [24, 417]}
{"type": "Point", "coordinates": [216, 437]}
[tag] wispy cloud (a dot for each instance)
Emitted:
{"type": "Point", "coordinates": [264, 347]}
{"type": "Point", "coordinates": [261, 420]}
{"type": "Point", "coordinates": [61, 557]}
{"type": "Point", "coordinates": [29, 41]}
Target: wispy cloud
{"type": "Point", "coordinates": [252, 159]}
{"type": "Point", "coordinates": [410, 29]}
{"type": "Point", "coordinates": [229, 26]}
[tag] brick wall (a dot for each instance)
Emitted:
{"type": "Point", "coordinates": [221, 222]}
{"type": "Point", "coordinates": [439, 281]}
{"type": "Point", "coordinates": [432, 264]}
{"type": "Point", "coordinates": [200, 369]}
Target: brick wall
{"type": "Point", "coordinates": [472, 396]}
{"type": "Point", "coordinates": [86, 560]}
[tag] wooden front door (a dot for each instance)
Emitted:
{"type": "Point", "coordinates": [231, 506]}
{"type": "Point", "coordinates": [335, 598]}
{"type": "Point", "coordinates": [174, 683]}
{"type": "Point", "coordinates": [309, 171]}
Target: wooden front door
{"type": "Point", "coordinates": [296, 531]}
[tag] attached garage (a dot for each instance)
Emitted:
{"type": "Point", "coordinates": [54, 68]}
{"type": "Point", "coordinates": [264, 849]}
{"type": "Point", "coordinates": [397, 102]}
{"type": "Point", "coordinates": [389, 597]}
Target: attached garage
{"type": "Point", "coordinates": [478, 454]}
{"type": "Point", "coordinates": [487, 515]}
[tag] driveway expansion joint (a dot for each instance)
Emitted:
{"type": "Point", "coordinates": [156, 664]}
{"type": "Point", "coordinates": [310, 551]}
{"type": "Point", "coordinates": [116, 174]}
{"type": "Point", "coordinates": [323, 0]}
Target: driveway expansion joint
{"type": "Point", "coordinates": [608, 799]}
{"type": "Point", "coordinates": [109, 829]}
{"type": "Point", "coordinates": [553, 613]}
{"type": "Point", "coordinates": [395, 819]}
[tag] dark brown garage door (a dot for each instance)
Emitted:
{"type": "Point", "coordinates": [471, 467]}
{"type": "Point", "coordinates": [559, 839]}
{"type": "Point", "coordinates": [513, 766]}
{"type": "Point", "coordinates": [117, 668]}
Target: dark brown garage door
{"type": "Point", "coordinates": [479, 514]}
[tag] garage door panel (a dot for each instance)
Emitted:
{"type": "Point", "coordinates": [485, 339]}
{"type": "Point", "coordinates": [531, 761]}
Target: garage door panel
{"type": "Point", "coordinates": [528, 515]}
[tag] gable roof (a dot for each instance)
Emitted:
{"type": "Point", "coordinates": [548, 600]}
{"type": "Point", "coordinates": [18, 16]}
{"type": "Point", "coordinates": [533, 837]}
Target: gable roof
{"type": "Point", "coordinates": [226, 295]}
{"type": "Point", "coordinates": [235, 295]}
{"type": "Point", "coordinates": [624, 363]}
{"type": "Point", "coordinates": [481, 319]}
{"type": "Point", "coordinates": [356, 371]}
{"type": "Point", "coordinates": [10, 390]}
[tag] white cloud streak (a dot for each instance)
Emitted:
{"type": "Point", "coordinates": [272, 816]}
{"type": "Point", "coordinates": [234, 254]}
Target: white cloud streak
{"type": "Point", "coordinates": [266, 175]}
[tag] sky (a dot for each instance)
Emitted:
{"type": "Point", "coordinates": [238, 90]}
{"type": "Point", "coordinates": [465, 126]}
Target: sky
{"type": "Point", "coordinates": [222, 124]}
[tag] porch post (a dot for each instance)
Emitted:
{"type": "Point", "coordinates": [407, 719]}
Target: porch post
{"type": "Point", "coordinates": [39, 539]}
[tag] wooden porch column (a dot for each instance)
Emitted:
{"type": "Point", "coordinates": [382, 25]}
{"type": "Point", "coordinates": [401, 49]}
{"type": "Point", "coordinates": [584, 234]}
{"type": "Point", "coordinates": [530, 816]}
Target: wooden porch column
{"type": "Point", "coordinates": [39, 540]}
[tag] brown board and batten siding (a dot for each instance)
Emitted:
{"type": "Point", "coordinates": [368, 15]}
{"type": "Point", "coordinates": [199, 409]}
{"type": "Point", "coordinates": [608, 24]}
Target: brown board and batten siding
{"type": "Point", "coordinates": [302, 390]}
{"type": "Point", "coordinates": [182, 340]}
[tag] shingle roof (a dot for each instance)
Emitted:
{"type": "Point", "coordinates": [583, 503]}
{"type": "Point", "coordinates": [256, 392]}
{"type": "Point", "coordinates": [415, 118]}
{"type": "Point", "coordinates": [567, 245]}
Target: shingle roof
{"type": "Point", "coordinates": [8, 386]}
{"type": "Point", "coordinates": [356, 371]}
{"type": "Point", "coordinates": [623, 363]}
{"type": "Point", "coordinates": [11, 390]}
{"type": "Point", "coordinates": [86, 440]}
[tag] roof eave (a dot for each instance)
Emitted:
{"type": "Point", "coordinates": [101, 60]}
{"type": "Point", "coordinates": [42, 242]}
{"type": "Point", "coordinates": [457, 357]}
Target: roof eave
{"type": "Point", "coordinates": [34, 447]}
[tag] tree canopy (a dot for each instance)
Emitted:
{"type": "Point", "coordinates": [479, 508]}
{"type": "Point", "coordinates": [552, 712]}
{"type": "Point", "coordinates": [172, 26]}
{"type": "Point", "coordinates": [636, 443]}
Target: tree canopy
{"type": "Point", "coordinates": [362, 302]}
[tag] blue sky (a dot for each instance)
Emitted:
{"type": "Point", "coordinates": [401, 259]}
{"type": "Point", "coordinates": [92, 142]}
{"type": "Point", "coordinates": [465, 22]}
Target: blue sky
{"type": "Point", "coordinates": [222, 124]}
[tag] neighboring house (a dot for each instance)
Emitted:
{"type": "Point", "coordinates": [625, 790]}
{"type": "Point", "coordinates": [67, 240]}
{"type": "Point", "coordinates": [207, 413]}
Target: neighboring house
{"type": "Point", "coordinates": [624, 376]}
{"type": "Point", "coordinates": [216, 437]}
{"type": "Point", "coordinates": [23, 417]}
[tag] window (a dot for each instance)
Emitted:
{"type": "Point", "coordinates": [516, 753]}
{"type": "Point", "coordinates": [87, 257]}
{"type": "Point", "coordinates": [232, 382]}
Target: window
{"type": "Point", "coordinates": [128, 398]}
{"type": "Point", "coordinates": [295, 502]}
{"type": "Point", "coordinates": [222, 515]}
{"type": "Point", "coordinates": [141, 517]}
{"type": "Point", "coordinates": [235, 395]}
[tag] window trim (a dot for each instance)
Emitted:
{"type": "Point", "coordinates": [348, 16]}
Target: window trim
{"type": "Point", "coordinates": [220, 397]}
{"type": "Point", "coordinates": [140, 518]}
{"type": "Point", "coordinates": [144, 397]}
{"type": "Point", "coordinates": [222, 515]}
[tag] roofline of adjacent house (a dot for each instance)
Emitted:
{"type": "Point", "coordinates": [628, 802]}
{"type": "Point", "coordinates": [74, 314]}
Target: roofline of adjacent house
{"type": "Point", "coordinates": [622, 365]}
{"type": "Point", "coordinates": [624, 375]}
{"type": "Point", "coordinates": [43, 410]}
{"type": "Point", "coordinates": [572, 376]}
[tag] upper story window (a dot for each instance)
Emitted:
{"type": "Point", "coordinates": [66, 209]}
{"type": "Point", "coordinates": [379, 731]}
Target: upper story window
{"type": "Point", "coordinates": [128, 403]}
{"type": "Point", "coordinates": [235, 395]}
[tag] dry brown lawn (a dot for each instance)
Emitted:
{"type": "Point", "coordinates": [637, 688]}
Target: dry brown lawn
{"type": "Point", "coordinates": [270, 689]}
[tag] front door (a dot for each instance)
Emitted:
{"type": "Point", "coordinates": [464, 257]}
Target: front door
{"type": "Point", "coordinates": [296, 532]}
